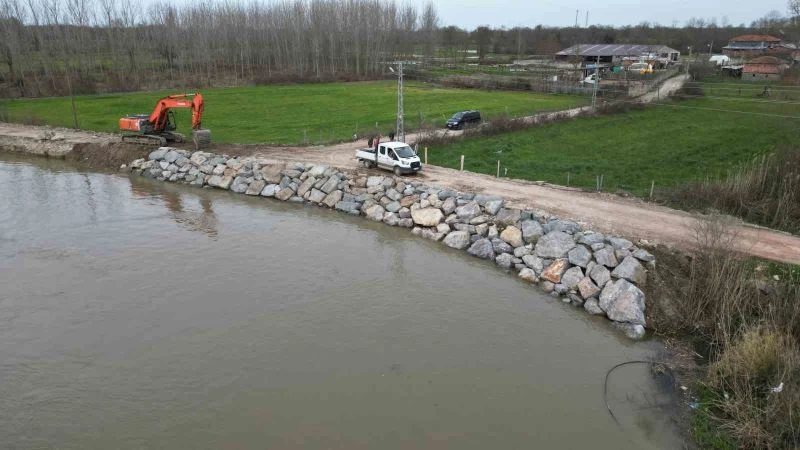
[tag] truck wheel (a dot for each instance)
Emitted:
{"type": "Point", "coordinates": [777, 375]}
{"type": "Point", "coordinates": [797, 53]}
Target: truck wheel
{"type": "Point", "coordinates": [397, 171]}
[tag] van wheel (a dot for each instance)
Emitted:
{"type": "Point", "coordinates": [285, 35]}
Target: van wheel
{"type": "Point", "coordinates": [397, 171]}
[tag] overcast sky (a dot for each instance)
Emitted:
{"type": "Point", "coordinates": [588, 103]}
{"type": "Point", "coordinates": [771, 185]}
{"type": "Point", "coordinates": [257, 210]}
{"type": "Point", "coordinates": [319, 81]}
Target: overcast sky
{"type": "Point", "coordinates": [510, 13]}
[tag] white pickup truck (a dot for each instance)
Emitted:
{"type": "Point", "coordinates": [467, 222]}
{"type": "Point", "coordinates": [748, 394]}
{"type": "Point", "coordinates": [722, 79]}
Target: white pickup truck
{"type": "Point", "coordinates": [395, 156]}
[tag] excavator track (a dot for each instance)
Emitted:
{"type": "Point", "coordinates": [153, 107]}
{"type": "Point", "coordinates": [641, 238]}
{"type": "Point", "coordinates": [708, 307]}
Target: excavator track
{"type": "Point", "coordinates": [145, 139]}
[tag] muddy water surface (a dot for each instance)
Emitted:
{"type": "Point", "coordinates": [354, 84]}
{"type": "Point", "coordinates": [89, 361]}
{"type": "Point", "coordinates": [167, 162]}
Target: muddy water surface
{"type": "Point", "coordinates": [135, 314]}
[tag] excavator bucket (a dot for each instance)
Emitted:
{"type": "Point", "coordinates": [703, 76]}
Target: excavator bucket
{"type": "Point", "coordinates": [201, 139]}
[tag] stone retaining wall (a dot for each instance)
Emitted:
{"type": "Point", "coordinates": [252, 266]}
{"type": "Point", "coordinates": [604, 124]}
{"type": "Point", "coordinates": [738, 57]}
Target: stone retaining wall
{"type": "Point", "coordinates": [599, 273]}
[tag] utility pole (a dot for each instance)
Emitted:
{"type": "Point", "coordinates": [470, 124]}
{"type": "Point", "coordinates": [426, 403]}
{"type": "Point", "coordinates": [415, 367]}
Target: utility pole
{"type": "Point", "coordinates": [596, 82]}
{"type": "Point", "coordinates": [401, 135]}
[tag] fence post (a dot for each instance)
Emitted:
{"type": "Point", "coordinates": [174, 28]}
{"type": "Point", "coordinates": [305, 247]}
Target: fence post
{"type": "Point", "coordinates": [462, 163]}
{"type": "Point", "coordinates": [652, 186]}
{"type": "Point", "coordinates": [567, 179]}
{"type": "Point", "coordinates": [498, 168]}
{"type": "Point", "coordinates": [426, 155]}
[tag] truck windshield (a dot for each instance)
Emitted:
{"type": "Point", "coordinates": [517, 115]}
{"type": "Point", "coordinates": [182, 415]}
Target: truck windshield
{"type": "Point", "coordinates": [404, 151]}
{"type": "Point", "coordinates": [457, 116]}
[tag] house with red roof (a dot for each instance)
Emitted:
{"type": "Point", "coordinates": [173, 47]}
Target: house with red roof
{"type": "Point", "coordinates": [763, 68]}
{"type": "Point", "coordinates": [753, 45]}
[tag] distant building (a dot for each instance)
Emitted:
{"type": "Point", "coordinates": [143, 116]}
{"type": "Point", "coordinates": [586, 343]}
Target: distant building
{"type": "Point", "coordinates": [753, 45]}
{"type": "Point", "coordinates": [763, 68]}
{"type": "Point", "coordinates": [617, 54]}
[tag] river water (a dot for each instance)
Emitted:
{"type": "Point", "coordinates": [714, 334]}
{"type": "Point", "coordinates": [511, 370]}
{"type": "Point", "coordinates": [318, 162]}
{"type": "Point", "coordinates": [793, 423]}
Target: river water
{"type": "Point", "coordinates": [136, 314]}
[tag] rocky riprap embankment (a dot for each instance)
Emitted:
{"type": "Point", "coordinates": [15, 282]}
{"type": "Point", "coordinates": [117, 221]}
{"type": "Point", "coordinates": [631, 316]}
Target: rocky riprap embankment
{"type": "Point", "coordinates": [600, 273]}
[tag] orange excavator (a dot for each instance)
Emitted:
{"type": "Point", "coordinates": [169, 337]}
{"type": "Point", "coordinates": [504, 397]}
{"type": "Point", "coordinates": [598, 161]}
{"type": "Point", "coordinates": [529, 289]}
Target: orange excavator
{"type": "Point", "coordinates": [159, 127]}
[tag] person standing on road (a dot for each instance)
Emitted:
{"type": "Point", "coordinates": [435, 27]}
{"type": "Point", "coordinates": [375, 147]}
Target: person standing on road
{"type": "Point", "coordinates": [391, 135]}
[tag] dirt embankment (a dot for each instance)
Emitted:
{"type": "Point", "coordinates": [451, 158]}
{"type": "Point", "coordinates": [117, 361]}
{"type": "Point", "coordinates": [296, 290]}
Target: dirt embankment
{"type": "Point", "coordinates": [603, 212]}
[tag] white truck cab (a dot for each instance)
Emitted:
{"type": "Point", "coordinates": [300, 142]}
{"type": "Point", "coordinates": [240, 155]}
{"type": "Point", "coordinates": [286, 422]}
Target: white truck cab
{"type": "Point", "coordinates": [398, 157]}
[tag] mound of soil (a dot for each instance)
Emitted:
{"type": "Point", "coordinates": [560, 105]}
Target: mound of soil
{"type": "Point", "coordinates": [107, 156]}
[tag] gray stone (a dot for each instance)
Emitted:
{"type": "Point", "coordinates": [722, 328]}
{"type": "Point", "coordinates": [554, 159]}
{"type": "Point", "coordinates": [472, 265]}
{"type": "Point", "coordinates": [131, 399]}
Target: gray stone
{"type": "Point", "coordinates": [575, 299]}
{"type": "Point", "coordinates": [432, 234]}
{"type": "Point", "coordinates": [534, 262]}
{"type": "Point", "coordinates": [199, 158]}
{"type": "Point", "coordinates": [449, 206]}
{"type": "Point", "coordinates": [390, 219]}
{"type": "Point", "coordinates": [566, 226]}
{"type": "Point", "coordinates": [330, 185]}
{"type": "Point", "coordinates": [468, 211]}
{"type": "Point", "coordinates": [606, 257]}
{"type": "Point", "coordinates": [158, 154]}
{"type": "Point", "coordinates": [513, 236]}
{"type": "Point", "coordinates": [284, 194]}
{"type": "Point", "coordinates": [598, 246]}
{"type": "Point", "coordinates": [493, 206]}
{"type": "Point", "coordinates": [182, 161]}
{"type": "Point", "coordinates": [528, 275]}
{"type": "Point", "coordinates": [443, 228]}
{"type": "Point", "coordinates": [164, 165]}
{"type": "Point", "coordinates": [600, 275]}
{"type": "Point", "coordinates": [306, 186]}
{"type": "Point", "coordinates": [579, 256]}
{"type": "Point", "coordinates": [332, 199]}
{"type": "Point", "coordinates": [464, 227]}
{"type": "Point", "coordinates": [374, 181]}
{"type": "Point", "coordinates": [504, 260]}
{"type": "Point", "coordinates": [405, 222]}
{"type": "Point", "coordinates": [507, 216]}
{"type": "Point", "coordinates": [519, 252]}
{"type": "Point", "coordinates": [547, 286]}
{"type": "Point", "coordinates": [622, 254]}
{"type": "Point", "coordinates": [316, 196]}
{"type": "Point", "coordinates": [500, 246]}
{"type": "Point", "coordinates": [479, 220]}
{"type": "Point", "coordinates": [572, 277]}
{"type": "Point", "coordinates": [587, 288]}
{"type": "Point", "coordinates": [445, 194]}
{"type": "Point", "coordinates": [482, 248]}
{"type": "Point", "coordinates": [317, 171]}
{"type": "Point", "coordinates": [375, 212]}
{"type": "Point", "coordinates": [428, 217]}
{"type": "Point", "coordinates": [554, 245]}
{"type": "Point", "coordinates": [393, 194]}
{"type": "Point", "coordinates": [643, 255]}
{"type": "Point", "coordinates": [631, 269]}
{"type": "Point", "coordinates": [220, 181]}
{"type": "Point", "coordinates": [347, 206]}
{"type": "Point", "coordinates": [393, 206]}
{"type": "Point", "coordinates": [239, 185]}
{"type": "Point", "coordinates": [531, 231]}
{"type": "Point", "coordinates": [492, 232]}
{"type": "Point", "coordinates": [560, 289]}
{"type": "Point", "coordinates": [269, 190]}
{"type": "Point", "coordinates": [632, 330]}
{"type": "Point", "coordinates": [623, 302]}
{"type": "Point", "coordinates": [171, 156]}
{"type": "Point", "coordinates": [404, 213]}
{"type": "Point", "coordinates": [592, 307]}
{"type": "Point", "coordinates": [457, 239]}
{"type": "Point", "coordinates": [481, 199]}
{"type": "Point", "coordinates": [620, 243]}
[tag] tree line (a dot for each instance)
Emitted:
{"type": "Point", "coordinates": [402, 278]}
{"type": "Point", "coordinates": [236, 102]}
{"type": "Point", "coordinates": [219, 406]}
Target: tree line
{"type": "Point", "coordinates": [58, 47]}
{"type": "Point", "coordinates": [49, 47]}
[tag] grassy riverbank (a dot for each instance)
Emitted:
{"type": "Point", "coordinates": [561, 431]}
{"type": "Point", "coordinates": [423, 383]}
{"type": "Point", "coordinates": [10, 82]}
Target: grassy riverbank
{"type": "Point", "coordinates": [294, 113]}
{"type": "Point", "coordinates": [669, 144]}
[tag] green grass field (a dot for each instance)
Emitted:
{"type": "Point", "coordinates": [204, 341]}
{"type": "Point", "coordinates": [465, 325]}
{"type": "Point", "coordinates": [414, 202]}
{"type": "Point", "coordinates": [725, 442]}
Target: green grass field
{"type": "Point", "coordinates": [296, 113]}
{"type": "Point", "coordinates": [692, 140]}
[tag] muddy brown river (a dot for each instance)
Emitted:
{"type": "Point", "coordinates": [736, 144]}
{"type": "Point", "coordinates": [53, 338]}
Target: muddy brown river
{"type": "Point", "coordinates": [136, 314]}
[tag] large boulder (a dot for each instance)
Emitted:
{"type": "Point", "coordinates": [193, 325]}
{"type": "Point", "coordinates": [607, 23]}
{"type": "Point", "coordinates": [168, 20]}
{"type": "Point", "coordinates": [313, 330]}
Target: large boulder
{"type": "Point", "coordinates": [255, 187]}
{"type": "Point", "coordinates": [269, 190]}
{"type": "Point", "coordinates": [632, 330]}
{"type": "Point", "coordinates": [554, 245]}
{"type": "Point", "coordinates": [643, 255]}
{"type": "Point", "coordinates": [504, 260]}
{"type": "Point", "coordinates": [493, 206]}
{"type": "Point", "coordinates": [284, 194]}
{"type": "Point", "coordinates": [220, 181]}
{"type": "Point", "coordinates": [623, 302]}
{"type": "Point", "coordinates": [500, 246]}
{"type": "Point", "coordinates": [374, 181]}
{"type": "Point", "coordinates": [375, 212]}
{"type": "Point", "coordinates": [306, 186]}
{"type": "Point", "coordinates": [427, 217]}
{"type": "Point", "coordinates": [317, 171]}
{"type": "Point", "coordinates": [531, 231]}
{"type": "Point", "coordinates": [572, 277]}
{"type": "Point", "coordinates": [592, 307]}
{"type": "Point", "coordinates": [156, 155]}
{"type": "Point", "coordinates": [482, 248]}
{"type": "Point", "coordinates": [590, 238]}
{"type": "Point", "coordinates": [333, 198]}
{"type": "Point", "coordinates": [606, 257]}
{"type": "Point", "coordinates": [316, 196]}
{"type": "Point", "coordinates": [554, 271]}
{"type": "Point", "coordinates": [534, 262]}
{"type": "Point", "coordinates": [507, 216]}
{"type": "Point", "coordinates": [239, 185]}
{"type": "Point", "coordinates": [566, 226]}
{"type": "Point", "coordinates": [272, 173]}
{"type": "Point", "coordinates": [449, 206]}
{"type": "Point", "coordinates": [620, 243]}
{"type": "Point", "coordinates": [587, 288]}
{"type": "Point", "coordinates": [457, 239]}
{"type": "Point", "coordinates": [600, 275]}
{"type": "Point", "coordinates": [631, 269]}
{"type": "Point", "coordinates": [330, 185]}
{"type": "Point", "coordinates": [469, 211]}
{"type": "Point", "coordinates": [528, 275]}
{"type": "Point", "coordinates": [579, 256]}
{"type": "Point", "coordinates": [513, 236]}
